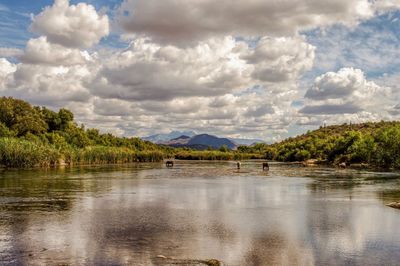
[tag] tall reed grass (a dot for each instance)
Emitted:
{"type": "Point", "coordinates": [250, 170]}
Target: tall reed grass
{"type": "Point", "coordinates": [113, 155]}
{"type": "Point", "coordinates": [23, 153]}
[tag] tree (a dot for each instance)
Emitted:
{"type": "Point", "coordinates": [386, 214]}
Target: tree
{"type": "Point", "coordinates": [52, 119]}
{"type": "Point", "coordinates": [388, 147]}
{"type": "Point", "coordinates": [57, 140]}
{"type": "Point", "coordinates": [66, 117]}
{"type": "Point", "coordinates": [76, 136]}
{"type": "Point", "coordinates": [302, 155]}
{"type": "Point", "coordinates": [362, 149]}
{"type": "Point", "coordinates": [270, 153]}
{"type": "Point", "coordinates": [223, 148]}
{"type": "Point", "coordinates": [21, 117]}
{"type": "Point", "coordinates": [342, 144]}
{"type": "Point", "coordinates": [5, 131]}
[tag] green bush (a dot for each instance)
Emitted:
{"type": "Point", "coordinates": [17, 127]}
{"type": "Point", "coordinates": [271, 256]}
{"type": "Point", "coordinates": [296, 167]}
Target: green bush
{"type": "Point", "coordinates": [387, 152]}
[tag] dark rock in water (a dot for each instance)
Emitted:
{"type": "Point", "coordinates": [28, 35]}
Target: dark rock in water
{"type": "Point", "coordinates": [395, 205]}
{"type": "Point", "coordinates": [213, 262]}
{"type": "Point", "coordinates": [359, 165]}
{"type": "Point", "coordinates": [164, 260]}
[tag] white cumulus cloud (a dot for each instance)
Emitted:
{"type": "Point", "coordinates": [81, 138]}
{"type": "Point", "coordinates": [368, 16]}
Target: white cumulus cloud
{"type": "Point", "coordinates": [346, 95]}
{"type": "Point", "coordinates": [149, 71]}
{"type": "Point", "coordinates": [40, 51]}
{"type": "Point", "coordinates": [6, 68]}
{"type": "Point", "coordinates": [71, 25]}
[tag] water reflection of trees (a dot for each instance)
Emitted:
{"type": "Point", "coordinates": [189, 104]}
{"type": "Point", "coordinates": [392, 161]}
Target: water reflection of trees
{"type": "Point", "coordinates": [390, 195]}
{"type": "Point", "coordinates": [40, 190]}
{"type": "Point", "coordinates": [129, 216]}
{"type": "Point", "coordinates": [32, 202]}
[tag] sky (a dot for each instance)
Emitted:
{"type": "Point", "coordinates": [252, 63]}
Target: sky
{"type": "Point", "coordinates": [262, 69]}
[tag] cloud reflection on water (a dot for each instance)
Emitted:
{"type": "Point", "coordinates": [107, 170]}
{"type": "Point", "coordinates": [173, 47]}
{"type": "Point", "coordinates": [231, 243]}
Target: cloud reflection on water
{"type": "Point", "coordinates": [292, 216]}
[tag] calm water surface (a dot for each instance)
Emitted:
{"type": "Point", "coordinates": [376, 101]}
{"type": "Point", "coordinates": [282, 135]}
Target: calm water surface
{"type": "Point", "coordinates": [127, 215]}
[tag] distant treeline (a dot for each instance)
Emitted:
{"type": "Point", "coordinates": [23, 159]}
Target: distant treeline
{"type": "Point", "coordinates": [221, 154]}
{"type": "Point", "coordinates": [375, 144]}
{"type": "Point", "coordinates": [37, 136]}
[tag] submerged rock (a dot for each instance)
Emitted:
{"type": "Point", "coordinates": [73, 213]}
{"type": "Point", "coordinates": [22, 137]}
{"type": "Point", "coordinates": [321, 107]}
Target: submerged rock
{"type": "Point", "coordinates": [213, 262]}
{"type": "Point", "coordinates": [360, 165]}
{"type": "Point", "coordinates": [164, 260]}
{"type": "Point", "coordinates": [395, 205]}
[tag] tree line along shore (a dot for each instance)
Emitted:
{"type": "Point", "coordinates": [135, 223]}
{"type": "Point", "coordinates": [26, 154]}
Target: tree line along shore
{"type": "Point", "coordinates": [32, 136]}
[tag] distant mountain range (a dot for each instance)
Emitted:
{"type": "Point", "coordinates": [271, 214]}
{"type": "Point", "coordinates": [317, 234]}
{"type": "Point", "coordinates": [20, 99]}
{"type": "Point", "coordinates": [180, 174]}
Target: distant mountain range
{"type": "Point", "coordinates": [158, 138]}
{"type": "Point", "coordinates": [201, 142]}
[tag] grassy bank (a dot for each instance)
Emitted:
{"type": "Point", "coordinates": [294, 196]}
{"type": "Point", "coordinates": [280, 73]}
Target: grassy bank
{"type": "Point", "coordinates": [22, 153]}
{"type": "Point", "coordinates": [33, 136]}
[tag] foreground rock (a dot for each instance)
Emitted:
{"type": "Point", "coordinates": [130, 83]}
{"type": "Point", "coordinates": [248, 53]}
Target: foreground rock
{"type": "Point", "coordinates": [395, 205]}
{"type": "Point", "coordinates": [163, 260]}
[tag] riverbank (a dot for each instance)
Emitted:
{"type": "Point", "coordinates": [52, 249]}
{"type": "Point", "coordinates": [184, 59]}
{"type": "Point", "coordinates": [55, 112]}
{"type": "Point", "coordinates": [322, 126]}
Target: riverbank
{"type": "Point", "coordinates": [22, 153]}
{"type": "Point", "coordinates": [358, 166]}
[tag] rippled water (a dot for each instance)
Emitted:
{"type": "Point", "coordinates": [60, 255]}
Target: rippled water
{"type": "Point", "coordinates": [130, 214]}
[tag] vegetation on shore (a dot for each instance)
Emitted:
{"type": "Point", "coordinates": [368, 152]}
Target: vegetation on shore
{"type": "Point", "coordinates": [216, 155]}
{"type": "Point", "coordinates": [36, 136]}
{"type": "Point", "coordinates": [375, 144]}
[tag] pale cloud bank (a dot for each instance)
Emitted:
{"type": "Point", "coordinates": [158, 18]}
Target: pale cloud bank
{"type": "Point", "coordinates": [228, 68]}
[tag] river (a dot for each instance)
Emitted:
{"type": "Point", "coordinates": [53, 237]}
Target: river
{"type": "Point", "coordinates": [137, 214]}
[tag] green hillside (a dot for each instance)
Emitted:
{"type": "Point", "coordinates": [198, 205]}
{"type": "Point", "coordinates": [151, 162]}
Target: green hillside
{"type": "Point", "coordinates": [376, 144]}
